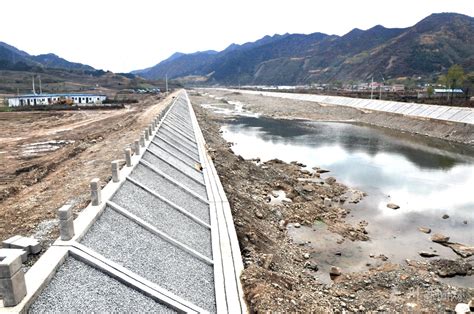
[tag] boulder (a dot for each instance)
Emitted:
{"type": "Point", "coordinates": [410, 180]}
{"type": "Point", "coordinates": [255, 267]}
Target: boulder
{"type": "Point", "coordinates": [424, 229]}
{"type": "Point", "coordinates": [335, 271]}
{"type": "Point", "coordinates": [439, 238]}
{"type": "Point", "coordinates": [393, 206]}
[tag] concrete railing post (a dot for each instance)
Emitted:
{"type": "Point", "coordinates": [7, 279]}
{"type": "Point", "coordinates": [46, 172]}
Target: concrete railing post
{"type": "Point", "coordinates": [137, 147]}
{"type": "Point", "coordinates": [12, 277]}
{"type": "Point", "coordinates": [128, 157]}
{"type": "Point", "coordinates": [147, 134]}
{"type": "Point", "coordinates": [115, 170]}
{"type": "Point", "coordinates": [150, 130]}
{"type": "Point", "coordinates": [142, 140]}
{"type": "Point", "coordinates": [95, 192]}
{"type": "Point", "coordinates": [66, 222]}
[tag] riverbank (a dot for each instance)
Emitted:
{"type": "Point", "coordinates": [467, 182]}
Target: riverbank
{"type": "Point", "coordinates": [281, 274]}
{"type": "Point", "coordinates": [280, 108]}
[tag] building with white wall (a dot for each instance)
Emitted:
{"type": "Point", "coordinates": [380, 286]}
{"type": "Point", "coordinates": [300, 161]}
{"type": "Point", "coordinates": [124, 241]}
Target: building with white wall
{"type": "Point", "coordinates": [51, 99]}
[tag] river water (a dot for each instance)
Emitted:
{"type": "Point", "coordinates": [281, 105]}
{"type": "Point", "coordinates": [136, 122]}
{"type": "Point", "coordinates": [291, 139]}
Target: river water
{"type": "Point", "coordinates": [427, 178]}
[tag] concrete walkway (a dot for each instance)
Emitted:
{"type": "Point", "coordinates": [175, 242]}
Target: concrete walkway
{"type": "Point", "coordinates": [159, 239]}
{"type": "Point", "coordinates": [446, 113]}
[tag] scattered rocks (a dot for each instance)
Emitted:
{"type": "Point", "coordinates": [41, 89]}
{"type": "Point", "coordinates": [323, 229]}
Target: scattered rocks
{"type": "Point", "coordinates": [460, 249]}
{"type": "Point", "coordinates": [439, 238]}
{"type": "Point", "coordinates": [445, 216]}
{"type": "Point", "coordinates": [335, 271]}
{"type": "Point", "coordinates": [258, 214]}
{"type": "Point", "coordinates": [330, 180]}
{"type": "Point", "coordinates": [306, 255]}
{"type": "Point", "coordinates": [297, 225]}
{"type": "Point", "coordinates": [424, 229]}
{"type": "Point", "coordinates": [393, 206]}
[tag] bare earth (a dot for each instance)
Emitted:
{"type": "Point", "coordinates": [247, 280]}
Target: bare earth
{"type": "Point", "coordinates": [281, 275]}
{"type": "Point", "coordinates": [48, 159]}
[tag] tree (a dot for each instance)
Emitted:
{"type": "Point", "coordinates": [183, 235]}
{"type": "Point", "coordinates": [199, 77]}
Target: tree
{"type": "Point", "coordinates": [430, 91]}
{"type": "Point", "coordinates": [455, 76]}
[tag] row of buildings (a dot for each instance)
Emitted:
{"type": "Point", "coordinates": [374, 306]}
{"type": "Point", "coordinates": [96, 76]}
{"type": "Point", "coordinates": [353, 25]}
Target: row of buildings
{"type": "Point", "coordinates": [51, 99]}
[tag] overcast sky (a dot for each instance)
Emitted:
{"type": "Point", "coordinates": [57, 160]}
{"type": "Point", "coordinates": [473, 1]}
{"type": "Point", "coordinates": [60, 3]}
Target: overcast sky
{"type": "Point", "coordinates": [127, 35]}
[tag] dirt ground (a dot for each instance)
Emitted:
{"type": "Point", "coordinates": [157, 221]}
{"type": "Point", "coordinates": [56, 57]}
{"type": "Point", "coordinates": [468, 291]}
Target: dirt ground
{"type": "Point", "coordinates": [280, 275]}
{"type": "Point", "coordinates": [48, 159]}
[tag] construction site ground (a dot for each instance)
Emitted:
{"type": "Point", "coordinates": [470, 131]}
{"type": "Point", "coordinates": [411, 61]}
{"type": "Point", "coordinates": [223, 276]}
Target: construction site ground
{"type": "Point", "coordinates": [48, 159]}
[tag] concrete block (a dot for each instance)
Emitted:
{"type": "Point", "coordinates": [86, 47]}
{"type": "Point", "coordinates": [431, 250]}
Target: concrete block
{"type": "Point", "coordinates": [13, 289]}
{"type": "Point", "coordinates": [7, 243]}
{"type": "Point", "coordinates": [30, 245]}
{"type": "Point", "coordinates": [66, 229]}
{"type": "Point", "coordinates": [23, 253]}
{"type": "Point", "coordinates": [10, 262]}
{"type": "Point", "coordinates": [65, 212]}
{"type": "Point", "coordinates": [96, 198]}
{"type": "Point", "coordinates": [137, 147]}
{"type": "Point", "coordinates": [115, 165]}
{"type": "Point", "coordinates": [128, 157]}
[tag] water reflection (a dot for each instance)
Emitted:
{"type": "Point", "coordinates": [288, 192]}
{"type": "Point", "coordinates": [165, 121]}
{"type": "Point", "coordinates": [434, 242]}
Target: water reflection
{"type": "Point", "coordinates": [427, 178]}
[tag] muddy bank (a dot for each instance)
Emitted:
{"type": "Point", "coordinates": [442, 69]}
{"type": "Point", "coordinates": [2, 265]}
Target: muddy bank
{"type": "Point", "coordinates": [295, 109]}
{"type": "Point", "coordinates": [268, 199]}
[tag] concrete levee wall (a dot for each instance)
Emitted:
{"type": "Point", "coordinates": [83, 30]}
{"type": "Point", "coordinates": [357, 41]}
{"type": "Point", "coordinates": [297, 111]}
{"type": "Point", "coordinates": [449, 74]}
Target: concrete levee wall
{"type": "Point", "coordinates": [446, 113]}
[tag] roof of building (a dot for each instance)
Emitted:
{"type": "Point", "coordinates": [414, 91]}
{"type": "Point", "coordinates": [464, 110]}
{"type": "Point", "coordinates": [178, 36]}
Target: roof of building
{"type": "Point", "coordinates": [57, 95]}
{"type": "Point", "coordinates": [448, 90]}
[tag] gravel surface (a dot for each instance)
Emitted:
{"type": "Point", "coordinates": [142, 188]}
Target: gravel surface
{"type": "Point", "coordinates": [175, 150]}
{"type": "Point", "coordinates": [176, 135]}
{"type": "Point", "coordinates": [146, 254]}
{"type": "Point", "coordinates": [78, 287]}
{"type": "Point", "coordinates": [179, 126]}
{"type": "Point", "coordinates": [178, 143]}
{"type": "Point", "coordinates": [176, 174]}
{"type": "Point", "coordinates": [156, 149]}
{"type": "Point", "coordinates": [171, 192]}
{"type": "Point", "coordinates": [191, 171]}
{"type": "Point", "coordinates": [166, 127]}
{"type": "Point", "coordinates": [164, 217]}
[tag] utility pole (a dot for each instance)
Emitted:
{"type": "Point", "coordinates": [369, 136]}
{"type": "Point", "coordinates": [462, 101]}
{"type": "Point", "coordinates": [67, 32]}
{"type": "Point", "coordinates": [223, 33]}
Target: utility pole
{"type": "Point", "coordinates": [41, 89]}
{"type": "Point", "coordinates": [372, 88]}
{"type": "Point", "coordinates": [166, 81]}
{"type": "Point", "coordinates": [34, 90]}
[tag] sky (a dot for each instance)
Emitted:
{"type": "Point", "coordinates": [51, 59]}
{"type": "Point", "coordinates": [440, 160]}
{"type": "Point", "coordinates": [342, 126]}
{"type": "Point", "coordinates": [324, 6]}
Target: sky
{"type": "Point", "coordinates": [122, 36]}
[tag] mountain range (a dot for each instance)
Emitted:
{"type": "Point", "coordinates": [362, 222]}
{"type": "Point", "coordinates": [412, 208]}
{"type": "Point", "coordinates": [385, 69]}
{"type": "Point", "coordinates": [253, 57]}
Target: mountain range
{"type": "Point", "coordinates": [425, 49]}
{"type": "Point", "coordinates": [12, 58]}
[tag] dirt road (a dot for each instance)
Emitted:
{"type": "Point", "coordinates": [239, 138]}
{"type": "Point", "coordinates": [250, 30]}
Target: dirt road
{"type": "Point", "coordinates": [48, 159]}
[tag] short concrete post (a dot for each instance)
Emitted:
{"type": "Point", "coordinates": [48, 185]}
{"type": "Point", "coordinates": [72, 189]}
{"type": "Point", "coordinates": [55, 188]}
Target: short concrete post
{"type": "Point", "coordinates": [150, 129]}
{"type": "Point", "coordinates": [115, 170]}
{"type": "Point", "coordinates": [142, 140]}
{"type": "Point", "coordinates": [137, 147]}
{"type": "Point", "coordinates": [128, 156]}
{"type": "Point", "coordinates": [12, 277]}
{"type": "Point", "coordinates": [147, 134]}
{"type": "Point", "coordinates": [95, 192]}
{"type": "Point", "coordinates": [66, 222]}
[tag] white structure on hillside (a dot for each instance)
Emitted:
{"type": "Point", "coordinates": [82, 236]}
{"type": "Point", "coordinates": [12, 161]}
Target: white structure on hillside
{"type": "Point", "coordinates": [50, 99]}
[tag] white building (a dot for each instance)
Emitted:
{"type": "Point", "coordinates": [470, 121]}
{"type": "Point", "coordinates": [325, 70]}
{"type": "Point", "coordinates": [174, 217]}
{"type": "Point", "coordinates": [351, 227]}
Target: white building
{"type": "Point", "coordinates": [50, 99]}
